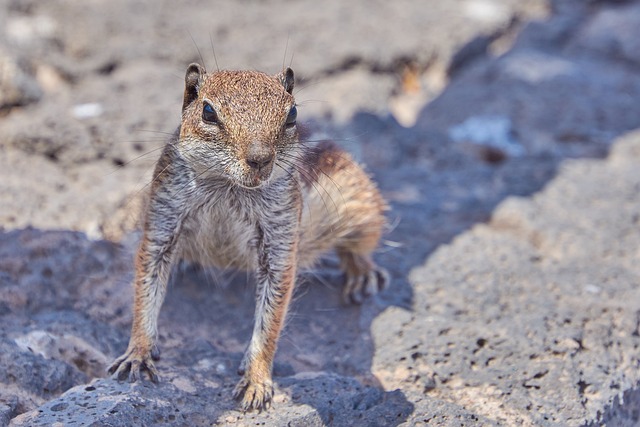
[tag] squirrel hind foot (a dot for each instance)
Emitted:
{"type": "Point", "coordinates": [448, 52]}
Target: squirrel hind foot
{"type": "Point", "coordinates": [363, 278]}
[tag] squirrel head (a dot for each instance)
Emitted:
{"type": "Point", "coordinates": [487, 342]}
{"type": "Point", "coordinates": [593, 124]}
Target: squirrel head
{"type": "Point", "coordinates": [240, 125]}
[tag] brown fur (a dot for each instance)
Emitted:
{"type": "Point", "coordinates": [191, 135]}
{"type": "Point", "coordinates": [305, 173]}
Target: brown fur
{"type": "Point", "coordinates": [236, 187]}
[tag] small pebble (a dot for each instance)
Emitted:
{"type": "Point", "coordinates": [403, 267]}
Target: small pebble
{"type": "Point", "coordinates": [87, 111]}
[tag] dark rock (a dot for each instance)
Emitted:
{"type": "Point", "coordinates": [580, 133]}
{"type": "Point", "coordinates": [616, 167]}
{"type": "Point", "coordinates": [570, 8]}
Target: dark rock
{"type": "Point", "coordinates": [613, 32]}
{"type": "Point", "coordinates": [26, 371]}
{"type": "Point", "coordinates": [188, 399]}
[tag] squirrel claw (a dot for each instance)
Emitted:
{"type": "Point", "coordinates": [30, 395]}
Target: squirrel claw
{"type": "Point", "coordinates": [133, 365]}
{"type": "Point", "coordinates": [254, 395]}
{"type": "Point", "coordinates": [359, 286]}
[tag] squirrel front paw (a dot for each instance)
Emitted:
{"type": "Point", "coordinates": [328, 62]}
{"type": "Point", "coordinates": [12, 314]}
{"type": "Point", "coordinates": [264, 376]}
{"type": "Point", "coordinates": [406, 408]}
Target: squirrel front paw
{"type": "Point", "coordinates": [255, 393]}
{"type": "Point", "coordinates": [133, 364]}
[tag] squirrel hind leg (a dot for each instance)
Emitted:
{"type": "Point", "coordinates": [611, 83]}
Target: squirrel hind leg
{"type": "Point", "coordinates": [345, 212]}
{"type": "Point", "coordinates": [362, 224]}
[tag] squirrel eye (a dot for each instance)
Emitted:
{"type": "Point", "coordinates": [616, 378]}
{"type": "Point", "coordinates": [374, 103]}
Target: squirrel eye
{"type": "Point", "coordinates": [209, 114]}
{"type": "Point", "coordinates": [291, 118]}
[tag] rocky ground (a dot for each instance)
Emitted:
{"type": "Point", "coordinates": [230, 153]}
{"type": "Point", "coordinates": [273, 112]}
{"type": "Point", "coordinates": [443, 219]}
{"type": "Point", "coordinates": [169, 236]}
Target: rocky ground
{"type": "Point", "coordinates": [501, 132]}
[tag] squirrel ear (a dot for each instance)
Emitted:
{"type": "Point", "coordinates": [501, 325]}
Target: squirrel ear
{"type": "Point", "coordinates": [286, 78]}
{"type": "Point", "coordinates": [191, 80]}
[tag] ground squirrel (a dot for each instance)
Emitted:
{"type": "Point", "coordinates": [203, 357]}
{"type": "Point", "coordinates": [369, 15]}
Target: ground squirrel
{"type": "Point", "coordinates": [237, 186]}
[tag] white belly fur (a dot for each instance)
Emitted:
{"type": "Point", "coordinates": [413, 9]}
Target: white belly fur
{"type": "Point", "coordinates": [220, 233]}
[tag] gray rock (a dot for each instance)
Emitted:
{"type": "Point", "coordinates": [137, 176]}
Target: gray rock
{"type": "Point", "coordinates": [531, 319]}
{"type": "Point", "coordinates": [18, 87]}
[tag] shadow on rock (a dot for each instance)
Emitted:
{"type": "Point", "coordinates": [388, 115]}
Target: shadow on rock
{"type": "Point", "coordinates": [342, 401]}
{"type": "Point", "coordinates": [323, 365]}
{"type": "Point", "coordinates": [623, 411]}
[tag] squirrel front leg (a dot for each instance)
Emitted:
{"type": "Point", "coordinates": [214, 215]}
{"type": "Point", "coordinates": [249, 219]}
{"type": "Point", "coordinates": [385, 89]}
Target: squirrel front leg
{"type": "Point", "coordinates": [276, 278]}
{"type": "Point", "coordinates": [153, 265]}
{"type": "Point", "coordinates": [154, 261]}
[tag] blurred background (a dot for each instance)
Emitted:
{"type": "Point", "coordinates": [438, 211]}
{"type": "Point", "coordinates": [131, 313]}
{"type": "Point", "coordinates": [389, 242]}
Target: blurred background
{"type": "Point", "coordinates": [90, 89]}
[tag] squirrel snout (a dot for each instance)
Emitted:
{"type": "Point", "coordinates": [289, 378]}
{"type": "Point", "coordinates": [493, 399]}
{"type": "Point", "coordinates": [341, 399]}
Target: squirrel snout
{"type": "Point", "coordinates": [259, 157]}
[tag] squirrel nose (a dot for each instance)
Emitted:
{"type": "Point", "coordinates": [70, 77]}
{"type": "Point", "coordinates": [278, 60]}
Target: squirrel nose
{"type": "Point", "coordinates": [259, 157]}
{"type": "Point", "coordinates": [259, 162]}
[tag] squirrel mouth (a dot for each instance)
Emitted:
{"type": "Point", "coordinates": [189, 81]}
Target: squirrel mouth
{"type": "Point", "coordinates": [251, 185]}
{"type": "Point", "coordinates": [256, 177]}
{"type": "Point", "coordinates": [255, 180]}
